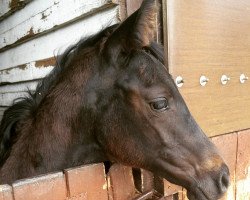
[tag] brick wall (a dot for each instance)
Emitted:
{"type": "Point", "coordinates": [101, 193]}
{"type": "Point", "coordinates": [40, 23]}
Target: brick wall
{"type": "Point", "coordinates": [122, 183]}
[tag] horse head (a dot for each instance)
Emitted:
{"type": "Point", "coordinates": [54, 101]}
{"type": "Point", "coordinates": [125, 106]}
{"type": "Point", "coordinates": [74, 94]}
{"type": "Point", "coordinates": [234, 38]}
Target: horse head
{"type": "Point", "coordinates": [143, 120]}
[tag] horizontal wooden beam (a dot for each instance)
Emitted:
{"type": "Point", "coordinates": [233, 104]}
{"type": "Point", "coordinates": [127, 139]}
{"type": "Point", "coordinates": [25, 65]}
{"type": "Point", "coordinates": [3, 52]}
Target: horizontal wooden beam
{"type": "Point", "coordinates": [47, 45]}
{"type": "Point", "coordinates": [27, 72]}
{"type": "Point", "coordinates": [55, 15]}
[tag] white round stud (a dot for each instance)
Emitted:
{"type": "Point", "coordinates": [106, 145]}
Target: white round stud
{"type": "Point", "coordinates": [243, 78]}
{"type": "Point", "coordinates": [224, 79]}
{"type": "Point", "coordinates": [203, 80]}
{"type": "Point", "coordinates": [179, 81]}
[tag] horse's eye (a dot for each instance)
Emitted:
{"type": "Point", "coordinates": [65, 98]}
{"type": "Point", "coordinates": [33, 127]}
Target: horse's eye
{"type": "Point", "coordinates": [160, 104]}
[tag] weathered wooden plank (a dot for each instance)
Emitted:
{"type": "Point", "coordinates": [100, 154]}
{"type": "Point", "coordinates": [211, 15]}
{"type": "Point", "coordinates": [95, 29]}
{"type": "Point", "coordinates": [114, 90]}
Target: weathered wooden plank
{"type": "Point", "coordinates": [87, 182]}
{"type": "Point", "coordinates": [31, 9]}
{"type": "Point", "coordinates": [20, 87]}
{"type": "Point", "coordinates": [2, 109]}
{"type": "Point", "coordinates": [46, 45]}
{"type": "Point", "coordinates": [58, 14]}
{"type": "Point", "coordinates": [9, 93]}
{"type": "Point", "coordinates": [227, 145]}
{"type": "Point", "coordinates": [6, 192]}
{"type": "Point", "coordinates": [7, 99]}
{"type": "Point", "coordinates": [10, 6]}
{"type": "Point", "coordinates": [121, 182]}
{"type": "Point", "coordinates": [50, 186]}
{"type": "Point", "coordinates": [170, 189]}
{"type": "Point", "coordinates": [243, 166]}
{"type": "Point", "coordinates": [144, 180]}
{"type": "Point", "coordinates": [26, 72]}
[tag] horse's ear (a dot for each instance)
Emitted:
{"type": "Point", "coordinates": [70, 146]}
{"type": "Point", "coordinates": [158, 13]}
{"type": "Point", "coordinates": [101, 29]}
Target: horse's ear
{"type": "Point", "coordinates": [144, 24]}
{"type": "Point", "coordinates": [136, 31]}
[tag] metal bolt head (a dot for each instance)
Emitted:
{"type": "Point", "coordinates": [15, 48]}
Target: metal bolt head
{"type": "Point", "coordinates": [243, 78]}
{"type": "Point", "coordinates": [224, 79]}
{"type": "Point", "coordinates": [203, 80]}
{"type": "Point", "coordinates": [179, 81]}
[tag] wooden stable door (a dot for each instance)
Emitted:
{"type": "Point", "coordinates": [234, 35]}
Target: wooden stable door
{"type": "Point", "coordinates": [211, 38]}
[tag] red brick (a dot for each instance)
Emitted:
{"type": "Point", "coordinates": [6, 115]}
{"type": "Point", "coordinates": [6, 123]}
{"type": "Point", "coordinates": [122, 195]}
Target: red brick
{"type": "Point", "coordinates": [87, 182]}
{"type": "Point", "coordinates": [227, 145]}
{"type": "Point", "coordinates": [243, 166]}
{"type": "Point", "coordinates": [6, 192]}
{"type": "Point", "coordinates": [122, 182]}
{"type": "Point", "coordinates": [51, 187]}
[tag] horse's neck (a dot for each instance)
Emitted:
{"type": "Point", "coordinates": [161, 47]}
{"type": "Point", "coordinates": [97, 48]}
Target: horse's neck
{"type": "Point", "coordinates": [64, 128]}
{"type": "Point", "coordinates": [55, 138]}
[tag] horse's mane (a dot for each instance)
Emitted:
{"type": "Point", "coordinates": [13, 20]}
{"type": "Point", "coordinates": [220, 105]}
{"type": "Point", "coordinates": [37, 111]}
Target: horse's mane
{"type": "Point", "coordinates": [25, 107]}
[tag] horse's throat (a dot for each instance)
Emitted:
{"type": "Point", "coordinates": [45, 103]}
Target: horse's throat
{"type": "Point", "coordinates": [85, 154]}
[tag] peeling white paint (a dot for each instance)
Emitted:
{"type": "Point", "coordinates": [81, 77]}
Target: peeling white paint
{"type": "Point", "coordinates": [7, 99]}
{"type": "Point", "coordinates": [46, 46]}
{"type": "Point", "coordinates": [19, 66]}
{"type": "Point", "coordinates": [29, 72]}
{"type": "Point", "coordinates": [24, 14]}
{"type": "Point", "coordinates": [56, 15]}
{"type": "Point", "coordinates": [20, 87]}
{"type": "Point", "coordinates": [5, 8]}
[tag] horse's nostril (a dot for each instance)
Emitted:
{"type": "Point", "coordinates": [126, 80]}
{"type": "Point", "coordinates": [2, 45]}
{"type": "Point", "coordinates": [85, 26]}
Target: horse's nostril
{"type": "Point", "coordinates": [224, 180]}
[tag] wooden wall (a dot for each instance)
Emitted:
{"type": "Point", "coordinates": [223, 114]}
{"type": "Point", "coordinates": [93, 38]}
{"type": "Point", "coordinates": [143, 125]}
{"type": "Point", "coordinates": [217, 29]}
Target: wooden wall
{"type": "Point", "coordinates": [33, 32]}
{"type": "Point", "coordinates": [211, 38]}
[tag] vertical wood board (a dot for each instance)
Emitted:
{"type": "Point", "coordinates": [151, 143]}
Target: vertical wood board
{"type": "Point", "coordinates": [212, 40]}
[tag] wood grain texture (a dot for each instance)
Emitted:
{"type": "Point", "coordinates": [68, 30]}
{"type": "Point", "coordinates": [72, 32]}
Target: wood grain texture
{"type": "Point", "coordinates": [227, 146]}
{"type": "Point", "coordinates": [243, 166]}
{"type": "Point", "coordinates": [50, 186]}
{"type": "Point", "coordinates": [170, 189]}
{"type": "Point", "coordinates": [121, 183]}
{"type": "Point", "coordinates": [211, 38]}
{"type": "Point", "coordinates": [87, 182]}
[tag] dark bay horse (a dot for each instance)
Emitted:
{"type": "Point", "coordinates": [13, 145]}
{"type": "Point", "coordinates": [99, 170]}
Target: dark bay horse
{"type": "Point", "coordinates": [111, 98]}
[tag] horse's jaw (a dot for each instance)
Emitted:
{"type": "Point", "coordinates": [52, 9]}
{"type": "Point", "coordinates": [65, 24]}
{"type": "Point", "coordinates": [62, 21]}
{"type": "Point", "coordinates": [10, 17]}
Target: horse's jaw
{"type": "Point", "coordinates": [198, 187]}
